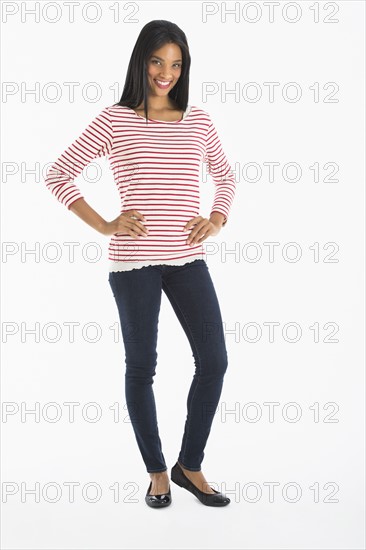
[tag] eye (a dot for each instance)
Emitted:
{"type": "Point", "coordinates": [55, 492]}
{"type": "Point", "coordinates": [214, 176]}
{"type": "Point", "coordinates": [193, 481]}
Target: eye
{"type": "Point", "coordinates": [178, 65]}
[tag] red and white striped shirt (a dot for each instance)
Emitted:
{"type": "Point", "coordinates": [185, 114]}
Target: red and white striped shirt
{"type": "Point", "coordinates": [156, 168]}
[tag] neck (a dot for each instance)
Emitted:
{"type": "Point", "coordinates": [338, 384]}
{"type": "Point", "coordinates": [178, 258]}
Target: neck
{"type": "Point", "coordinates": [155, 103]}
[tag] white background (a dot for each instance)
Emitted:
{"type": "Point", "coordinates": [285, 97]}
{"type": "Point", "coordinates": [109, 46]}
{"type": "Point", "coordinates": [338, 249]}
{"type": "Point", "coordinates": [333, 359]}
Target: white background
{"type": "Point", "coordinates": [313, 452]}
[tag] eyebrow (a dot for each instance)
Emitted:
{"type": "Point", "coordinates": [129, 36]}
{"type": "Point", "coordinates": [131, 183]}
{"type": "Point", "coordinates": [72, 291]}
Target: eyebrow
{"type": "Point", "coordinates": [161, 59]}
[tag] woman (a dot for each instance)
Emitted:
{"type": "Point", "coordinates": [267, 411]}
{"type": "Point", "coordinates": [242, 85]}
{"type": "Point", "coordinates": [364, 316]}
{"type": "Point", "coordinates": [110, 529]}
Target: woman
{"type": "Point", "coordinates": [156, 144]}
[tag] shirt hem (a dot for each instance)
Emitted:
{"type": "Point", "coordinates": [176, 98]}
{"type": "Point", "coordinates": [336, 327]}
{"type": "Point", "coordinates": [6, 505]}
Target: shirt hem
{"type": "Point", "coordinates": [128, 266]}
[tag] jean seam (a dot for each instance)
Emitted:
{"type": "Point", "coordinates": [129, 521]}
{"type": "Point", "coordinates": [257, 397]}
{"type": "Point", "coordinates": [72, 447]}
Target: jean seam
{"type": "Point", "coordinates": [199, 359]}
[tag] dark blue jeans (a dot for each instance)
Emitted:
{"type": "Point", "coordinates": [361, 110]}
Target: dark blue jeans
{"type": "Point", "coordinates": [192, 295]}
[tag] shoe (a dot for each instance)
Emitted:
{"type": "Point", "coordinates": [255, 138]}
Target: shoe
{"type": "Point", "coordinates": [209, 499]}
{"type": "Point", "coordinates": [158, 501]}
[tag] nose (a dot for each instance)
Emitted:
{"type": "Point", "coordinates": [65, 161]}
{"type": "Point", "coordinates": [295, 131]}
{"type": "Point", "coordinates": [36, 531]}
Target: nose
{"type": "Point", "coordinates": [166, 76]}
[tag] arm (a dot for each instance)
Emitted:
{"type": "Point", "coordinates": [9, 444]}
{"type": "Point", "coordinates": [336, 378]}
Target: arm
{"type": "Point", "coordinates": [217, 218]}
{"type": "Point", "coordinates": [223, 177]}
{"type": "Point", "coordinates": [95, 141]}
{"type": "Point", "coordinates": [82, 209]}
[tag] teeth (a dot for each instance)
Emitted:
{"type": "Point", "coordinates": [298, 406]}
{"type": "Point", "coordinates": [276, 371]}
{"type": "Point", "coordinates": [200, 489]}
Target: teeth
{"type": "Point", "coordinates": [162, 83]}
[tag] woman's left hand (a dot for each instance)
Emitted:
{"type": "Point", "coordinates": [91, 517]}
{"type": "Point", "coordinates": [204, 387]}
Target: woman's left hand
{"type": "Point", "coordinates": [203, 228]}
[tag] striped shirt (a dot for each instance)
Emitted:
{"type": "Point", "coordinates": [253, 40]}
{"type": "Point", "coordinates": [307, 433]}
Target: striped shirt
{"type": "Point", "coordinates": [156, 168]}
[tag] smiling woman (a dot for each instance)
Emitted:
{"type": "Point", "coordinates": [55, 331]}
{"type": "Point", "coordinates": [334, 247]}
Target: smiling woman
{"type": "Point", "coordinates": [157, 79]}
{"type": "Point", "coordinates": [163, 73]}
{"type": "Point", "coordinates": [159, 62]}
{"type": "Point", "coordinates": [156, 144]}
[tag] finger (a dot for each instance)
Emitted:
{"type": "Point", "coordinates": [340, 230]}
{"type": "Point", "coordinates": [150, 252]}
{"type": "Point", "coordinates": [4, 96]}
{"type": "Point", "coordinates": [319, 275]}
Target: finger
{"type": "Point", "coordinates": [193, 240]}
{"type": "Point", "coordinates": [197, 236]}
{"type": "Point", "coordinates": [139, 215]}
{"type": "Point", "coordinates": [141, 227]}
{"type": "Point", "coordinates": [137, 232]}
{"type": "Point", "coordinates": [136, 227]}
{"type": "Point", "coordinates": [200, 226]}
{"type": "Point", "coordinates": [191, 222]}
{"type": "Point", "coordinates": [131, 231]}
{"type": "Point", "coordinates": [135, 215]}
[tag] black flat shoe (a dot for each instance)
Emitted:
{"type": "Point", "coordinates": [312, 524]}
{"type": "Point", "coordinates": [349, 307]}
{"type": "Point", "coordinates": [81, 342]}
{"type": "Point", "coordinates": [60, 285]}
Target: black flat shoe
{"type": "Point", "coordinates": [209, 499]}
{"type": "Point", "coordinates": [158, 501]}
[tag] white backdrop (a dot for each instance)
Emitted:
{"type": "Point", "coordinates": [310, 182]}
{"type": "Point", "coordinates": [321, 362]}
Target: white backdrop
{"type": "Point", "coordinates": [287, 442]}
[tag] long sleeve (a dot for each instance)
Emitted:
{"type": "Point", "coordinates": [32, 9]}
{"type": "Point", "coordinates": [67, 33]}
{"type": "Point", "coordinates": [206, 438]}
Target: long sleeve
{"type": "Point", "coordinates": [221, 172]}
{"type": "Point", "coordinates": [95, 141]}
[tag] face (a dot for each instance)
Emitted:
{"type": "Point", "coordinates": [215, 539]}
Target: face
{"type": "Point", "coordinates": [164, 69]}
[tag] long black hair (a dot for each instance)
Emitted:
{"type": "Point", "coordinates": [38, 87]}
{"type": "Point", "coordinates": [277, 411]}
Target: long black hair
{"type": "Point", "coordinates": [153, 36]}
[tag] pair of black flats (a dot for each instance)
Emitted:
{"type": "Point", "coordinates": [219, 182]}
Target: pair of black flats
{"type": "Point", "coordinates": [178, 477]}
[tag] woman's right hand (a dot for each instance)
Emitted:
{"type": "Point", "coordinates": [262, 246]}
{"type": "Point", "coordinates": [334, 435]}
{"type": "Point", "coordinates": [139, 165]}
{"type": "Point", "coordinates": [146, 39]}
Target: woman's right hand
{"type": "Point", "coordinates": [124, 223]}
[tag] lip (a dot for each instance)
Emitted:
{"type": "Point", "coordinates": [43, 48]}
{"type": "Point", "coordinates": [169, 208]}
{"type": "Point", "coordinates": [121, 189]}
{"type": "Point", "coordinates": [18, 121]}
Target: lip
{"type": "Point", "coordinates": [163, 87]}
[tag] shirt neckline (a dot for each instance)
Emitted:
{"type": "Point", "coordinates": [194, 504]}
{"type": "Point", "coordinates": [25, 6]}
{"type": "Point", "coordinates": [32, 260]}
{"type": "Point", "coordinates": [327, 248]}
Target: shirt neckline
{"type": "Point", "coordinates": [184, 116]}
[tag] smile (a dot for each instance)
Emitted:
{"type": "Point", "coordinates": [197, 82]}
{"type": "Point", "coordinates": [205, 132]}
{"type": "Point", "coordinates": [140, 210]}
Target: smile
{"type": "Point", "coordinates": [162, 83]}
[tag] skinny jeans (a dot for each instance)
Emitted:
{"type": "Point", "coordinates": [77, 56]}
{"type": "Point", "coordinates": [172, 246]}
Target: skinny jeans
{"type": "Point", "coordinates": [191, 293]}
